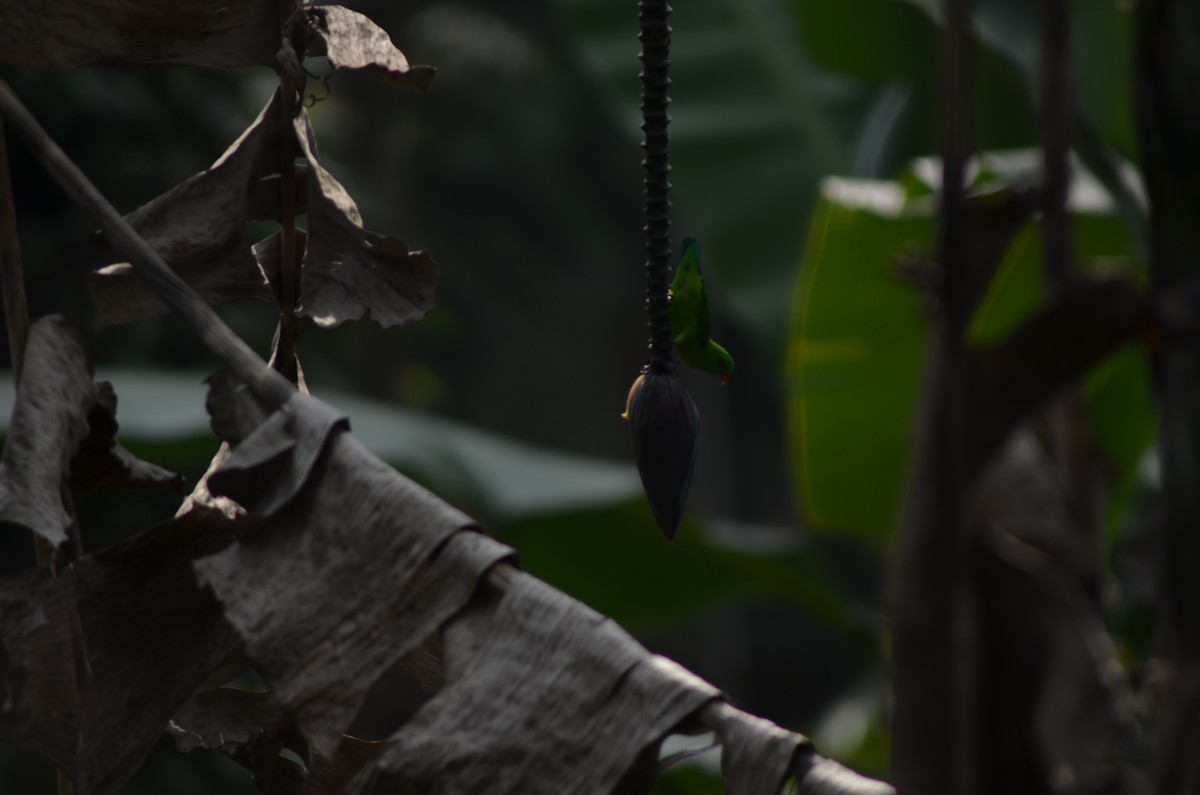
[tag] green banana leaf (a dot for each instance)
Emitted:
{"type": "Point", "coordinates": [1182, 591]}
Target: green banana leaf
{"type": "Point", "coordinates": [858, 335]}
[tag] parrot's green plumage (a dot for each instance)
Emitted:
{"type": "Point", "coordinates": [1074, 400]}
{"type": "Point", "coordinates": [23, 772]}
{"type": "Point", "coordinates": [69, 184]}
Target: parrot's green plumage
{"type": "Point", "coordinates": [689, 317]}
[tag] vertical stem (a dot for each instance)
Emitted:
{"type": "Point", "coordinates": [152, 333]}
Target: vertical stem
{"type": "Point", "coordinates": [655, 37]}
{"type": "Point", "coordinates": [1166, 75]}
{"type": "Point", "coordinates": [934, 732]}
{"type": "Point", "coordinates": [950, 435]}
{"type": "Point", "coordinates": [16, 310]}
{"type": "Point", "coordinates": [1054, 118]}
{"type": "Point", "coordinates": [1070, 437]}
{"type": "Point", "coordinates": [285, 354]}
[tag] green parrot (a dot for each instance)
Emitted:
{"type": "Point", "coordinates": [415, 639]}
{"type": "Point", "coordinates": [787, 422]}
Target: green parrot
{"type": "Point", "coordinates": [689, 322]}
{"type": "Point", "coordinates": [689, 317]}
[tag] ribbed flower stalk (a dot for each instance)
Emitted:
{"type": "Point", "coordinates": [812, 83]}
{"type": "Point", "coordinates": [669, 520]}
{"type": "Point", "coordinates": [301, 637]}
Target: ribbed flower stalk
{"type": "Point", "coordinates": [661, 412]}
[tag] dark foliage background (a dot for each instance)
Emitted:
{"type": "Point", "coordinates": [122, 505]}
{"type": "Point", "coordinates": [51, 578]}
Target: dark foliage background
{"type": "Point", "coordinates": [518, 170]}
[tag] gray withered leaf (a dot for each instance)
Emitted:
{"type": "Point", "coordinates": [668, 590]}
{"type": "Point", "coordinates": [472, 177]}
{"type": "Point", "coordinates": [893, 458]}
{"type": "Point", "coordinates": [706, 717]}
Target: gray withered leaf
{"type": "Point", "coordinates": [555, 698]}
{"type": "Point", "coordinates": [756, 755]}
{"type": "Point", "coordinates": [102, 461]}
{"type": "Point", "coordinates": [40, 707]}
{"type": "Point", "coordinates": [251, 728]}
{"type": "Point", "coordinates": [66, 34]}
{"type": "Point", "coordinates": [353, 564]}
{"type": "Point", "coordinates": [96, 660]}
{"type": "Point", "coordinates": [63, 431]}
{"type": "Point", "coordinates": [350, 272]}
{"type": "Point", "coordinates": [50, 419]}
{"type": "Point", "coordinates": [244, 725]}
{"type": "Point", "coordinates": [152, 637]}
{"type": "Point", "coordinates": [666, 430]}
{"type": "Point", "coordinates": [198, 227]}
{"type": "Point", "coordinates": [269, 467]}
{"type": "Point", "coordinates": [352, 41]}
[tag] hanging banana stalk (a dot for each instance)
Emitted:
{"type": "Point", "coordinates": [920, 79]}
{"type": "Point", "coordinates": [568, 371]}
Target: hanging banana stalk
{"type": "Point", "coordinates": [661, 412]}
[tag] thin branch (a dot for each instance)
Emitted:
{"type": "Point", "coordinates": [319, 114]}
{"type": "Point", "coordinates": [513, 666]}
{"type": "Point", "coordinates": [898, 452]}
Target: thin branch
{"type": "Point", "coordinates": [289, 276]}
{"type": "Point", "coordinates": [934, 727]}
{"type": "Point", "coordinates": [1055, 120]}
{"type": "Point", "coordinates": [16, 309]}
{"type": "Point", "coordinates": [1058, 344]}
{"type": "Point", "coordinates": [1165, 77]}
{"type": "Point", "coordinates": [1072, 444]}
{"type": "Point", "coordinates": [271, 387]}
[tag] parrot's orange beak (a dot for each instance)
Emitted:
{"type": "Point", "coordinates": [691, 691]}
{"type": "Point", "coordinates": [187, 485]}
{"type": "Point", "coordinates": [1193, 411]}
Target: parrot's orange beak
{"type": "Point", "coordinates": [725, 377]}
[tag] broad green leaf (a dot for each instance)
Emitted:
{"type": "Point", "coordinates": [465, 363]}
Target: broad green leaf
{"type": "Point", "coordinates": [855, 355]}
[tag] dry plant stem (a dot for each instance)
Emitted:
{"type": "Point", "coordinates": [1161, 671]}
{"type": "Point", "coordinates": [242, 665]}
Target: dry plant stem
{"type": "Point", "coordinates": [16, 310]}
{"type": "Point", "coordinates": [271, 387]}
{"type": "Point", "coordinates": [285, 358]}
{"type": "Point", "coordinates": [934, 729]}
{"type": "Point", "coordinates": [1055, 120]}
{"type": "Point", "coordinates": [950, 440]}
{"type": "Point", "coordinates": [1168, 118]}
{"type": "Point", "coordinates": [1070, 438]}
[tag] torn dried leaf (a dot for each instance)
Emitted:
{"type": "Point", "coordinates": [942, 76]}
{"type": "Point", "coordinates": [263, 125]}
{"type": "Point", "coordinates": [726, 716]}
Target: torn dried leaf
{"type": "Point", "coordinates": [199, 226]}
{"type": "Point", "coordinates": [756, 755]}
{"type": "Point", "coordinates": [40, 670]}
{"type": "Point", "coordinates": [66, 34]}
{"type": "Point", "coordinates": [152, 637]}
{"type": "Point", "coordinates": [270, 466]}
{"type": "Point", "coordinates": [557, 699]}
{"type": "Point", "coordinates": [353, 568]}
{"type": "Point", "coordinates": [350, 273]}
{"type": "Point", "coordinates": [234, 411]}
{"type": "Point", "coordinates": [199, 229]}
{"type": "Point", "coordinates": [251, 728]}
{"type": "Point", "coordinates": [241, 724]}
{"type": "Point", "coordinates": [352, 41]}
{"type": "Point", "coordinates": [268, 255]}
{"type": "Point", "coordinates": [102, 462]}
{"type": "Point", "coordinates": [203, 499]}
{"type": "Point", "coordinates": [50, 419]}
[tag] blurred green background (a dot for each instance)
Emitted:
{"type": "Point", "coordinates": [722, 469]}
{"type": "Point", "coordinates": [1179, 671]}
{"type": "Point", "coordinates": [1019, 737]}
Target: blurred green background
{"type": "Point", "coordinates": [519, 171]}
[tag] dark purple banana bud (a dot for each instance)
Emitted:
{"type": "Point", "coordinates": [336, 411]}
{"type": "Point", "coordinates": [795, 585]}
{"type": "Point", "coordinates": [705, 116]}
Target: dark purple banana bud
{"type": "Point", "coordinates": [666, 427]}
